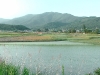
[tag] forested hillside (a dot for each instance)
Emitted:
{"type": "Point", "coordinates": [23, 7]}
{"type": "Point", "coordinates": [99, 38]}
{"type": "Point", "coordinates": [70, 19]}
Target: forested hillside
{"type": "Point", "coordinates": [7, 27]}
{"type": "Point", "coordinates": [3, 20]}
{"type": "Point", "coordinates": [38, 20]}
{"type": "Point", "coordinates": [55, 20]}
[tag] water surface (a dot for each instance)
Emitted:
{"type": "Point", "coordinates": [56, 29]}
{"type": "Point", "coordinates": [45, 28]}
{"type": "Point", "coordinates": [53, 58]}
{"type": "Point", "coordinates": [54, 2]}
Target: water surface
{"type": "Point", "coordinates": [77, 58]}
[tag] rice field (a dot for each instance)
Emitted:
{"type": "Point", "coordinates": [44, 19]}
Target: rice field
{"type": "Point", "coordinates": [43, 36]}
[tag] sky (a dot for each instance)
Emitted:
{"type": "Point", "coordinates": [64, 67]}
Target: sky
{"type": "Point", "coordinates": [16, 8]}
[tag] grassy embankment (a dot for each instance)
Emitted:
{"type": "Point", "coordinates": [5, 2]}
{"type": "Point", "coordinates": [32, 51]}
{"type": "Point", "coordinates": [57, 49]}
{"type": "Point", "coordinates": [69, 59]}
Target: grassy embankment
{"type": "Point", "coordinates": [86, 38]}
{"type": "Point", "coordinates": [4, 37]}
{"type": "Point", "coordinates": [25, 37]}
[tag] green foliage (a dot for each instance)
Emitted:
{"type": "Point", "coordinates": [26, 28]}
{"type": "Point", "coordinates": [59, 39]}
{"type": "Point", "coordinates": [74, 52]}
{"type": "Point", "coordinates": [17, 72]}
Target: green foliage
{"type": "Point", "coordinates": [36, 21]}
{"type": "Point", "coordinates": [97, 71]}
{"type": "Point", "coordinates": [25, 71]}
{"type": "Point", "coordinates": [12, 27]}
{"type": "Point", "coordinates": [54, 20]}
{"type": "Point", "coordinates": [96, 31]}
{"type": "Point", "coordinates": [84, 27]}
{"type": "Point", "coordinates": [39, 30]}
{"type": "Point", "coordinates": [55, 25]}
{"type": "Point", "coordinates": [46, 30]}
{"type": "Point", "coordinates": [63, 70]}
{"type": "Point", "coordinates": [72, 31]}
{"type": "Point", "coordinates": [8, 69]}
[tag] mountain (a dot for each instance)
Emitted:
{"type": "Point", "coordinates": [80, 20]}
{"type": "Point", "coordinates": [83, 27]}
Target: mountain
{"type": "Point", "coordinates": [13, 27]}
{"type": "Point", "coordinates": [55, 20]}
{"type": "Point", "coordinates": [55, 25]}
{"type": "Point", "coordinates": [20, 20]}
{"type": "Point", "coordinates": [3, 20]}
{"type": "Point", "coordinates": [34, 21]}
{"type": "Point", "coordinates": [89, 22]}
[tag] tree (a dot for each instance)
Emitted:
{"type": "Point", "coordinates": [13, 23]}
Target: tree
{"type": "Point", "coordinates": [84, 28]}
{"type": "Point", "coordinates": [39, 30]}
{"type": "Point", "coordinates": [96, 30]}
{"type": "Point", "coordinates": [46, 29]}
{"type": "Point", "coordinates": [72, 31]}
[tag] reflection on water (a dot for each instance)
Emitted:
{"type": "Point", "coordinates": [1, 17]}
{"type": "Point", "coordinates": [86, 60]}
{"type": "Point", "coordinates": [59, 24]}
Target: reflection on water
{"type": "Point", "coordinates": [77, 59]}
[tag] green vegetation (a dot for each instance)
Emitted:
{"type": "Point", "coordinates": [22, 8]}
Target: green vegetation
{"type": "Point", "coordinates": [96, 72]}
{"type": "Point", "coordinates": [55, 20]}
{"type": "Point", "coordinates": [55, 25]}
{"type": "Point", "coordinates": [49, 36]}
{"type": "Point", "coordinates": [6, 27]}
{"type": "Point", "coordinates": [9, 69]}
{"type": "Point", "coordinates": [36, 21]}
{"type": "Point", "coordinates": [63, 70]}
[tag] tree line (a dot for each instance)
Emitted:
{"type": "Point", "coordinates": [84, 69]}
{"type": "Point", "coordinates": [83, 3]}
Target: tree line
{"type": "Point", "coordinates": [84, 29]}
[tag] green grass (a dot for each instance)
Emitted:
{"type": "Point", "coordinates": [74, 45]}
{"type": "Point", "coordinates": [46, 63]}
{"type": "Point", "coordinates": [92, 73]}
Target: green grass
{"type": "Point", "coordinates": [9, 69]}
{"type": "Point", "coordinates": [75, 37]}
{"type": "Point", "coordinates": [96, 72]}
{"type": "Point", "coordinates": [63, 70]}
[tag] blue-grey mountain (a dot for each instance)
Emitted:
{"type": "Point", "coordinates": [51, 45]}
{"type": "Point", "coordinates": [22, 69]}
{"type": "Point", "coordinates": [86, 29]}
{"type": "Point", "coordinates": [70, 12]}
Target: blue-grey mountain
{"type": "Point", "coordinates": [55, 20]}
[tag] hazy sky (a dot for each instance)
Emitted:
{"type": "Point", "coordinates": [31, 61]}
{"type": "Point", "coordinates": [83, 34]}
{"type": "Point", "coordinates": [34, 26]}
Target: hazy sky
{"type": "Point", "coordinates": [17, 8]}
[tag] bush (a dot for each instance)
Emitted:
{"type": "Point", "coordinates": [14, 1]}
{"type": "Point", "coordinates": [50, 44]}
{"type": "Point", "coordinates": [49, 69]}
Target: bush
{"type": "Point", "coordinates": [96, 72]}
{"type": "Point", "coordinates": [9, 69]}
